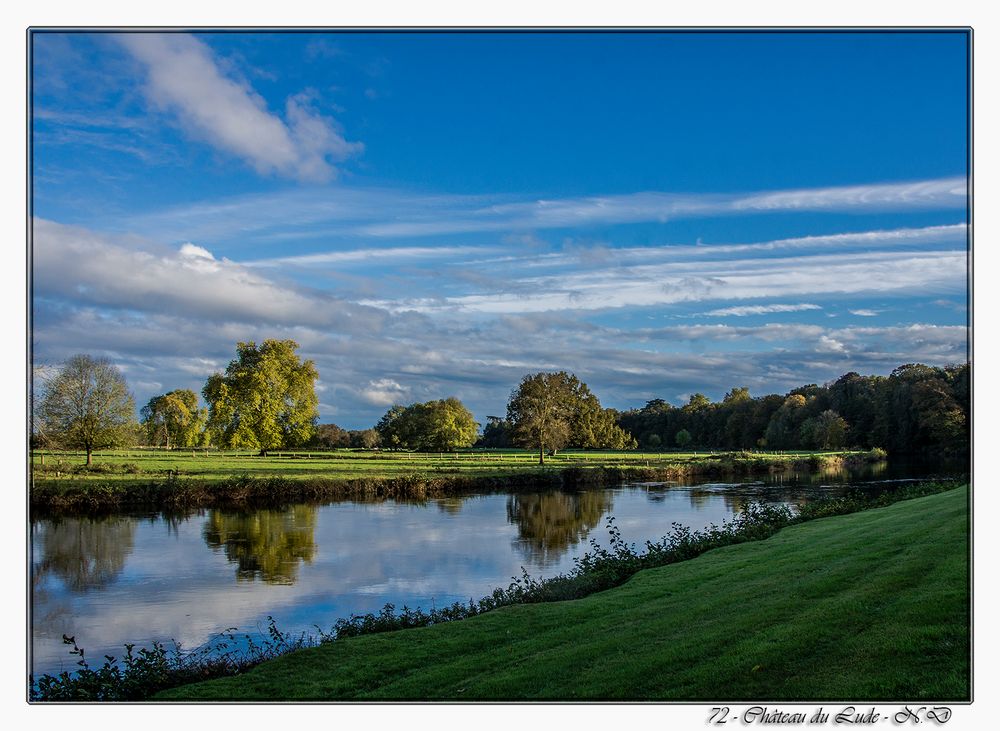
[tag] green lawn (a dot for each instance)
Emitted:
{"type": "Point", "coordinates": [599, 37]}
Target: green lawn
{"type": "Point", "coordinates": [871, 606]}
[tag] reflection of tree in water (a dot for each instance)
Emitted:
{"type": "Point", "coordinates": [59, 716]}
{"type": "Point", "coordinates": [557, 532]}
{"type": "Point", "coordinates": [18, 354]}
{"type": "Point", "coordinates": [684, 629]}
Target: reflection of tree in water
{"type": "Point", "coordinates": [266, 544]}
{"type": "Point", "coordinates": [450, 505]}
{"type": "Point", "coordinates": [85, 553]}
{"type": "Point", "coordinates": [548, 524]}
{"type": "Point", "coordinates": [699, 498]}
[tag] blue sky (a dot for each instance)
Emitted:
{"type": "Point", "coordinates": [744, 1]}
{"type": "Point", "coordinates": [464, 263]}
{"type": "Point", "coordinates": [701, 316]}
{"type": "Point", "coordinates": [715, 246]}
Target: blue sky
{"type": "Point", "coordinates": [435, 215]}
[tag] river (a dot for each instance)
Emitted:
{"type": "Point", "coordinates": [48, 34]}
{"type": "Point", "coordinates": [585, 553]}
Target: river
{"type": "Point", "coordinates": [139, 578]}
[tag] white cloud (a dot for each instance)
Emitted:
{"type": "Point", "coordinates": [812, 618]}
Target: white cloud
{"type": "Point", "coordinates": [670, 283]}
{"type": "Point", "coordinates": [392, 254]}
{"type": "Point", "coordinates": [828, 344]}
{"type": "Point", "coordinates": [865, 313]}
{"type": "Point", "coordinates": [87, 267]}
{"type": "Point", "coordinates": [383, 392]}
{"type": "Point", "coordinates": [185, 78]}
{"type": "Point", "coordinates": [190, 250]}
{"type": "Point", "coordinates": [947, 192]}
{"type": "Point", "coordinates": [745, 310]}
{"type": "Point", "coordinates": [944, 193]}
{"type": "Point", "coordinates": [363, 212]}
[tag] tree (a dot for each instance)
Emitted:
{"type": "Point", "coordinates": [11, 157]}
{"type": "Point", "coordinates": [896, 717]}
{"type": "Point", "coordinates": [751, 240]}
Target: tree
{"type": "Point", "coordinates": [554, 410]}
{"type": "Point", "coordinates": [174, 419]}
{"type": "Point", "coordinates": [435, 426]}
{"type": "Point", "coordinates": [331, 436]}
{"type": "Point", "coordinates": [448, 425]}
{"type": "Point", "coordinates": [541, 411]}
{"type": "Point", "coordinates": [683, 438]}
{"type": "Point", "coordinates": [365, 438]}
{"type": "Point", "coordinates": [594, 427]}
{"type": "Point", "coordinates": [87, 405]}
{"type": "Point", "coordinates": [496, 433]}
{"type": "Point", "coordinates": [265, 400]}
{"type": "Point", "coordinates": [389, 430]}
{"type": "Point", "coordinates": [826, 431]}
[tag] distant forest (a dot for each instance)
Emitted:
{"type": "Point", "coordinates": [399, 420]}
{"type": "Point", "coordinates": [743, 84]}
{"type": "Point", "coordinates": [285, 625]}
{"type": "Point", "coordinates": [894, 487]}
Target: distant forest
{"type": "Point", "coordinates": [915, 409]}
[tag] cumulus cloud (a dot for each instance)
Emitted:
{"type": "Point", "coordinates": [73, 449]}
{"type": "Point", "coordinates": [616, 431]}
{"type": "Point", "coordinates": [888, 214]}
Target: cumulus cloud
{"type": "Point", "coordinates": [384, 392]}
{"type": "Point", "coordinates": [865, 313]}
{"type": "Point", "coordinates": [88, 267]}
{"type": "Point", "coordinates": [185, 78]}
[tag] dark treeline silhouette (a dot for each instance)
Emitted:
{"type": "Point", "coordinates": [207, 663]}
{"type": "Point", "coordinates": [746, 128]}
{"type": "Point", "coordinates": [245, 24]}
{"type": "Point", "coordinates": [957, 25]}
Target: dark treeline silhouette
{"type": "Point", "coordinates": [915, 409]}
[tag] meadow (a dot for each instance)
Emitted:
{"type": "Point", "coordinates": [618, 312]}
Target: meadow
{"type": "Point", "coordinates": [215, 465]}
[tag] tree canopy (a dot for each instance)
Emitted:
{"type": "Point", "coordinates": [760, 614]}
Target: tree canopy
{"type": "Point", "coordinates": [917, 408]}
{"type": "Point", "coordinates": [434, 426]}
{"type": "Point", "coordinates": [265, 400]}
{"type": "Point", "coordinates": [173, 419]}
{"type": "Point", "coordinates": [87, 405]}
{"type": "Point", "coordinates": [549, 411]}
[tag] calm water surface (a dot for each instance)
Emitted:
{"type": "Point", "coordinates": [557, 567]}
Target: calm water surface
{"type": "Point", "coordinates": [129, 578]}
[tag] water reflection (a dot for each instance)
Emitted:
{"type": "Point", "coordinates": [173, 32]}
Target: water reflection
{"type": "Point", "coordinates": [549, 523]}
{"type": "Point", "coordinates": [84, 553]}
{"type": "Point", "coordinates": [267, 544]}
{"type": "Point", "coordinates": [450, 505]}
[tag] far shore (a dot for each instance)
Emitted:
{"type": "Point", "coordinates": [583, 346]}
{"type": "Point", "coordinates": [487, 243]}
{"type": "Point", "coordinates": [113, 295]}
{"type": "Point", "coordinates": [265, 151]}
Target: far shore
{"type": "Point", "coordinates": [155, 479]}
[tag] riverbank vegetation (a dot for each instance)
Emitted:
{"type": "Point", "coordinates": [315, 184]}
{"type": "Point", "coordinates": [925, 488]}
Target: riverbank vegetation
{"type": "Point", "coordinates": [171, 479]}
{"type": "Point", "coordinates": [868, 606]}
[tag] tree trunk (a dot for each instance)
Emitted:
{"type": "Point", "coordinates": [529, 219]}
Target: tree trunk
{"type": "Point", "coordinates": [89, 455]}
{"type": "Point", "coordinates": [541, 453]}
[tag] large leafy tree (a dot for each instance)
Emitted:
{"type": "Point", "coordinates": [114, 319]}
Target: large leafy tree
{"type": "Point", "coordinates": [265, 400]}
{"type": "Point", "coordinates": [549, 411]}
{"type": "Point", "coordinates": [86, 405]}
{"type": "Point", "coordinates": [436, 426]}
{"type": "Point", "coordinates": [174, 419]}
{"type": "Point", "coordinates": [449, 426]}
{"type": "Point", "coordinates": [541, 410]}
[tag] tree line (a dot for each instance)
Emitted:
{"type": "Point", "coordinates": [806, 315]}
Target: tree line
{"type": "Point", "coordinates": [266, 400]}
{"type": "Point", "coordinates": [916, 408]}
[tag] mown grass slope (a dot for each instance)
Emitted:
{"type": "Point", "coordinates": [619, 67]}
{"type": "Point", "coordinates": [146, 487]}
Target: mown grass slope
{"type": "Point", "coordinates": [869, 606]}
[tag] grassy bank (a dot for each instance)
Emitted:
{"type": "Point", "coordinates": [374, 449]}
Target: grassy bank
{"type": "Point", "coordinates": [868, 606]}
{"type": "Point", "coordinates": [157, 479]}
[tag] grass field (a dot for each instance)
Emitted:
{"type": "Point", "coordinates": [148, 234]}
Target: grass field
{"type": "Point", "coordinates": [870, 606]}
{"type": "Point", "coordinates": [136, 464]}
